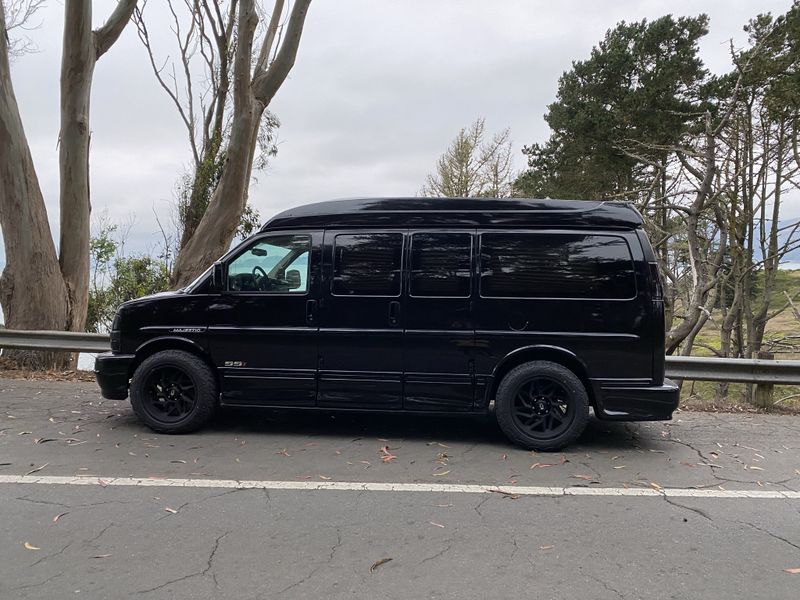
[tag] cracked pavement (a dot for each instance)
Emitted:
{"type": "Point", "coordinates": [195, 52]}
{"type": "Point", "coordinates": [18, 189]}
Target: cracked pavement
{"type": "Point", "coordinates": [157, 542]}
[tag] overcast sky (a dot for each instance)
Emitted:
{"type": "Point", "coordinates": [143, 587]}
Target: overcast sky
{"type": "Point", "coordinates": [379, 89]}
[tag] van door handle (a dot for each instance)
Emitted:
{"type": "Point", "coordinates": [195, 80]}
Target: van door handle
{"type": "Point", "coordinates": [394, 313]}
{"type": "Point", "coordinates": [311, 312]}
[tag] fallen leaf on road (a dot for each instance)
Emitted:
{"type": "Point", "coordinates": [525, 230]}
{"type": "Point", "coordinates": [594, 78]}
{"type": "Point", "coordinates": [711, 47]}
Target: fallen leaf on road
{"type": "Point", "coordinates": [102, 556]}
{"type": "Point", "coordinates": [436, 524]}
{"type": "Point", "coordinates": [183, 462]}
{"type": "Point", "coordinates": [43, 440]}
{"type": "Point", "coordinates": [546, 547]}
{"type": "Point", "coordinates": [505, 494]}
{"type": "Point", "coordinates": [795, 571]}
{"type": "Point", "coordinates": [378, 563]}
{"type": "Point", "coordinates": [754, 468]}
{"type": "Point", "coordinates": [621, 467]}
{"type": "Point", "coordinates": [504, 457]}
{"type": "Point", "coordinates": [325, 477]}
{"type": "Point", "coordinates": [539, 465]}
{"type": "Point", "coordinates": [102, 483]}
{"type": "Point", "coordinates": [442, 473]}
{"type": "Point", "coordinates": [283, 452]}
{"type": "Point", "coordinates": [58, 516]}
{"type": "Point", "coordinates": [655, 486]}
{"type": "Point", "coordinates": [797, 471]}
{"type": "Point", "coordinates": [25, 433]}
{"type": "Point", "coordinates": [584, 477]}
{"type": "Point", "coordinates": [32, 471]}
{"type": "Point", "coordinates": [386, 456]}
{"type": "Point", "coordinates": [30, 546]}
{"type": "Point", "coordinates": [171, 510]}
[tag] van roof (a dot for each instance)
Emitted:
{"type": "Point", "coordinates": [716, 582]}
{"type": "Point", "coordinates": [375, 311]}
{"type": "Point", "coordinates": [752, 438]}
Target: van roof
{"type": "Point", "coordinates": [426, 212]}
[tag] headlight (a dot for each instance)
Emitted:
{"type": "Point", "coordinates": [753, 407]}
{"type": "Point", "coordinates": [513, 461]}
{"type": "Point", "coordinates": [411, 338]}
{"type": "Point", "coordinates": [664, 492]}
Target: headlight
{"type": "Point", "coordinates": [116, 334]}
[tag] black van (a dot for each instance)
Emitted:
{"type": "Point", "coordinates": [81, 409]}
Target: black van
{"type": "Point", "coordinates": [541, 308]}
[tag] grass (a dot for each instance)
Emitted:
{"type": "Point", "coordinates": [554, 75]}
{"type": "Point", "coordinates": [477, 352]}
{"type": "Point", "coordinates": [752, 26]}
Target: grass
{"type": "Point", "coordinates": [701, 395]}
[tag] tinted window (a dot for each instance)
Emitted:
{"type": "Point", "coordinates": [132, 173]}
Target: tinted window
{"type": "Point", "coordinates": [367, 264]}
{"type": "Point", "coordinates": [273, 264]}
{"type": "Point", "coordinates": [539, 265]}
{"type": "Point", "coordinates": [440, 264]}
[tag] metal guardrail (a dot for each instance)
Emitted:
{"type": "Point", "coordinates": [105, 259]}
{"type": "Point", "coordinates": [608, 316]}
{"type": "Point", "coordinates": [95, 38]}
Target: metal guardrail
{"type": "Point", "coordinates": [71, 341]}
{"type": "Point", "coordinates": [734, 370]}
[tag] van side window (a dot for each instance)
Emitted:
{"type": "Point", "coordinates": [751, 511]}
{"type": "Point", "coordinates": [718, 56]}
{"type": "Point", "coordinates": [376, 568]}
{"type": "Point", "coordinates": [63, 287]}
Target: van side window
{"type": "Point", "coordinates": [556, 265]}
{"type": "Point", "coordinates": [273, 264]}
{"type": "Point", "coordinates": [367, 264]}
{"type": "Point", "coordinates": [441, 264]}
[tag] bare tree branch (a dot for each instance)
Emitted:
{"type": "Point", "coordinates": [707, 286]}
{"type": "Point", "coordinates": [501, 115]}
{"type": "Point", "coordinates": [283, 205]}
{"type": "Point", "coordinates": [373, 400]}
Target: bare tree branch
{"type": "Point", "coordinates": [109, 32]}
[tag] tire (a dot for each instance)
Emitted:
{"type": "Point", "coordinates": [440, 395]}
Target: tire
{"type": "Point", "coordinates": [542, 405]}
{"type": "Point", "coordinates": [174, 391]}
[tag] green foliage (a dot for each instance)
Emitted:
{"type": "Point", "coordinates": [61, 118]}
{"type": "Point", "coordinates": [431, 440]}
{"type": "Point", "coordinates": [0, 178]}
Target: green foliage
{"type": "Point", "coordinates": [775, 71]}
{"type": "Point", "coordinates": [473, 166]}
{"type": "Point", "coordinates": [642, 86]}
{"type": "Point", "coordinates": [117, 279]}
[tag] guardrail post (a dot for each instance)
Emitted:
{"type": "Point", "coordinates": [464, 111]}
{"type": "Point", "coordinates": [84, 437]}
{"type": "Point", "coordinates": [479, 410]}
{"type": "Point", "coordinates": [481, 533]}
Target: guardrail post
{"type": "Point", "coordinates": [762, 397]}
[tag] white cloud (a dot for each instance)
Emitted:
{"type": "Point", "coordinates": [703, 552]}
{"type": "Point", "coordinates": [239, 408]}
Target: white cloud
{"type": "Point", "coordinates": [378, 90]}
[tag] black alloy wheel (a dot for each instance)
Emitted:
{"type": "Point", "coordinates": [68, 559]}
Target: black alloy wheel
{"type": "Point", "coordinates": [169, 394]}
{"type": "Point", "coordinates": [174, 391]}
{"type": "Point", "coordinates": [542, 405]}
{"type": "Point", "coordinates": [542, 408]}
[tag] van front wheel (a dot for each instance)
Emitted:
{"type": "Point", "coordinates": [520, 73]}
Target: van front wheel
{"type": "Point", "coordinates": [542, 405]}
{"type": "Point", "coordinates": [173, 391]}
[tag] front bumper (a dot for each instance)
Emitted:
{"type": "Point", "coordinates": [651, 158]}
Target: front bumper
{"type": "Point", "coordinates": [636, 403]}
{"type": "Point", "coordinates": [112, 374]}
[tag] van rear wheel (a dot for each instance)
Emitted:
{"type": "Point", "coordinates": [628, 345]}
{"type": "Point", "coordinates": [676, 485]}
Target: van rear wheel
{"type": "Point", "coordinates": [542, 405]}
{"type": "Point", "coordinates": [173, 392]}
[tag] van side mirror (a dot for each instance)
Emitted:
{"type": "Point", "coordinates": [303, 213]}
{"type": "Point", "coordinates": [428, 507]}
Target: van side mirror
{"type": "Point", "coordinates": [293, 279]}
{"type": "Point", "coordinates": [219, 277]}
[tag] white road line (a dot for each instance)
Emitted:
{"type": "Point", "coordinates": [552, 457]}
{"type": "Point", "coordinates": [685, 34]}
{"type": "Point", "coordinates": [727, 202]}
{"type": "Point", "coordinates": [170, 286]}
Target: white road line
{"type": "Point", "coordinates": [348, 486]}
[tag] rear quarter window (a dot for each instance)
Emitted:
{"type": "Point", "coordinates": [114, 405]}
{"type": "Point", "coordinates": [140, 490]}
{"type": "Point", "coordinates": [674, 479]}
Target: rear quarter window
{"type": "Point", "coordinates": [556, 265]}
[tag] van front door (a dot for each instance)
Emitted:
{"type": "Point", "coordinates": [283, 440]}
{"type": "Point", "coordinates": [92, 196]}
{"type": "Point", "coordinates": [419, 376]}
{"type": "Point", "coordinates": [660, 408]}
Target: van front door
{"type": "Point", "coordinates": [263, 330]}
{"type": "Point", "coordinates": [361, 320]}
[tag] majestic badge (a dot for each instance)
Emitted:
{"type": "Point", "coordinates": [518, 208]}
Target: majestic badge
{"type": "Point", "coordinates": [187, 330]}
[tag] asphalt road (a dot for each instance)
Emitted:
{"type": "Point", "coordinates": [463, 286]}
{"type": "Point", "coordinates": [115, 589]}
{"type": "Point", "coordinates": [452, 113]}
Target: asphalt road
{"type": "Point", "coordinates": [143, 526]}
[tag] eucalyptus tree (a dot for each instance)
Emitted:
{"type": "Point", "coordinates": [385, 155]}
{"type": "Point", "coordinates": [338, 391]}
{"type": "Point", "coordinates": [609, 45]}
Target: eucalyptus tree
{"type": "Point", "coordinates": [243, 58]}
{"type": "Point", "coordinates": [39, 288]}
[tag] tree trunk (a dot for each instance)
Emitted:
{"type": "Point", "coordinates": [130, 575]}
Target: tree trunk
{"type": "Point", "coordinates": [37, 289]}
{"type": "Point", "coordinates": [77, 67]}
{"type": "Point", "coordinates": [252, 93]}
{"type": "Point", "coordinates": [214, 233]}
{"type": "Point", "coordinates": [32, 292]}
